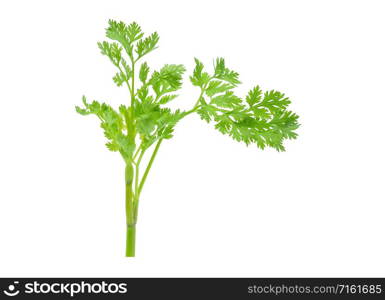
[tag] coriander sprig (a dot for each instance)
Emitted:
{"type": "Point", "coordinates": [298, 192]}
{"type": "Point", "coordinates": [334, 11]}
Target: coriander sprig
{"type": "Point", "coordinates": [136, 129]}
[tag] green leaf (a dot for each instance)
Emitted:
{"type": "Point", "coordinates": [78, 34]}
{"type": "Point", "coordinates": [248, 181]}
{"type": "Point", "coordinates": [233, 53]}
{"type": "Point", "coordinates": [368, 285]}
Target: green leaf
{"type": "Point", "coordinates": [254, 96]}
{"type": "Point", "coordinates": [207, 112]}
{"type": "Point", "coordinates": [167, 122]}
{"type": "Point", "coordinates": [147, 45]}
{"type": "Point", "coordinates": [134, 32]}
{"type": "Point", "coordinates": [216, 87]}
{"type": "Point", "coordinates": [124, 34]}
{"type": "Point", "coordinates": [227, 100]}
{"type": "Point", "coordinates": [219, 67]}
{"type": "Point", "coordinates": [172, 74]}
{"type": "Point", "coordinates": [264, 121]}
{"type": "Point", "coordinates": [285, 122]}
{"type": "Point", "coordinates": [168, 79]}
{"type": "Point", "coordinates": [143, 72]}
{"type": "Point", "coordinates": [224, 123]}
{"type": "Point", "coordinates": [112, 50]}
{"type": "Point", "coordinates": [125, 146]}
{"type": "Point", "coordinates": [274, 100]}
{"type": "Point", "coordinates": [154, 123]}
{"type": "Point", "coordinates": [167, 98]}
{"type": "Point", "coordinates": [112, 124]}
{"type": "Point", "coordinates": [120, 78]}
{"type": "Point", "coordinates": [143, 94]}
{"type": "Point", "coordinates": [112, 146]}
{"type": "Point", "coordinates": [83, 111]}
{"type": "Point", "coordinates": [199, 78]}
{"type": "Point", "coordinates": [126, 68]}
{"type": "Point", "coordinates": [261, 113]}
{"type": "Point", "coordinates": [223, 73]}
{"type": "Point", "coordinates": [146, 114]}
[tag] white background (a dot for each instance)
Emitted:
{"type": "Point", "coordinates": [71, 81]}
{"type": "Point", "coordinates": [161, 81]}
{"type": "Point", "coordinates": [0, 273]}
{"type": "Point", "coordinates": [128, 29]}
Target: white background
{"type": "Point", "coordinates": [210, 207]}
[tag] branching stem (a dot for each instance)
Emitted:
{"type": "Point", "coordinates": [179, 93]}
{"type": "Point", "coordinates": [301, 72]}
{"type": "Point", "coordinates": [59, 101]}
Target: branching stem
{"type": "Point", "coordinates": [149, 166]}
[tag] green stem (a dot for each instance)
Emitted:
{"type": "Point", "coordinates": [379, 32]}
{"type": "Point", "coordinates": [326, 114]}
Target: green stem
{"type": "Point", "coordinates": [196, 106]}
{"type": "Point", "coordinates": [137, 152]}
{"type": "Point", "coordinates": [126, 81]}
{"type": "Point", "coordinates": [149, 167]}
{"type": "Point", "coordinates": [139, 189]}
{"type": "Point", "coordinates": [137, 171]}
{"type": "Point", "coordinates": [130, 213]}
{"type": "Point", "coordinates": [130, 174]}
{"type": "Point", "coordinates": [130, 240]}
{"type": "Point", "coordinates": [132, 196]}
{"type": "Point", "coordinates": [129, 195]}
{"type": "Point", "coordinates": [132, 84]}
{"type": "Point", "coordinates": [191, 110]}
